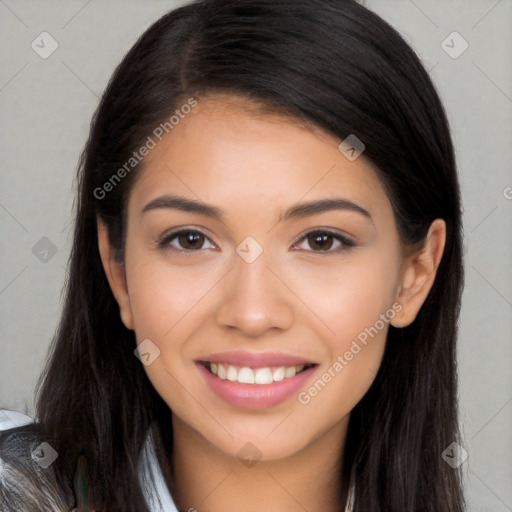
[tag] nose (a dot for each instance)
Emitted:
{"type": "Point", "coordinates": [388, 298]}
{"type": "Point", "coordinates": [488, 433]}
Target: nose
{"type": "Point", "coordinates": [254, 299]}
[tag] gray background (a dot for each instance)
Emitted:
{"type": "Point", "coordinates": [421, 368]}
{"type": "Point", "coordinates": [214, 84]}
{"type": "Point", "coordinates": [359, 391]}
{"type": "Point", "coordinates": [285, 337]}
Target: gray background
{"type": "Point", "coordinates": [46, 106]}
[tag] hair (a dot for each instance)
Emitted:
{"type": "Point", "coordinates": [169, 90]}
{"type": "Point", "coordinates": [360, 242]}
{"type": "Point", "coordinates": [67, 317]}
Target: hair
{"type": "Point", "coordinates": [331, 64]}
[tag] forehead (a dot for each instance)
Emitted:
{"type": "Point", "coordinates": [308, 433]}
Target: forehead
{"type": "Point", "coordinates": [227, 150]}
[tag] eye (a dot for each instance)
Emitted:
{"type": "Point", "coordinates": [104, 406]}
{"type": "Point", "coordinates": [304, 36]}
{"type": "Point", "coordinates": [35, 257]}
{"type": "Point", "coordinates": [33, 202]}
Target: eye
{"type": "Point", "coordinates": [189, 240]}
{"type": "Point", "coordinates": [322, 241]}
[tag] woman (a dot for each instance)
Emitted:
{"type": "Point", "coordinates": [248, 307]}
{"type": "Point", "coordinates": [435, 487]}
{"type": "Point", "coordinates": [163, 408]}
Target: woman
{"type": "Point", "coordinates": [304, 358]}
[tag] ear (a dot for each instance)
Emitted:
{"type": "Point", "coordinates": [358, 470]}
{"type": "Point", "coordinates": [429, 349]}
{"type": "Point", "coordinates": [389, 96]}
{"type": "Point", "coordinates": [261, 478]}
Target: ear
{"type": "Point", "coordinates": [418, 274]}
{"type": "Point", "coordinates": [116, 275]}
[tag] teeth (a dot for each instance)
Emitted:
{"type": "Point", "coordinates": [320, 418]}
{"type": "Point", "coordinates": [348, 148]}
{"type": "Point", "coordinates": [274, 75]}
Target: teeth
{"type": "Point", "coordinates": [231, 374]}
{"type": "Point", "coordinates": [290, 372]}
{"type": "Point", "coordinates": [263, 376]}
{"type": "Point", "coordinates": [246, 375]}
{"type": "Point", "coordinates": [278, 374]}
{"type": "Point", "coordinates": [221, 372]}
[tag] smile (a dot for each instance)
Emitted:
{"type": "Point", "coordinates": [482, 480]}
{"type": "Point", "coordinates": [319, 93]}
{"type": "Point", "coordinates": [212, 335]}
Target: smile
{"type": "Point", "coordinates": [257, 376]}
{"type": "Point", "coordinates": [250, 380]}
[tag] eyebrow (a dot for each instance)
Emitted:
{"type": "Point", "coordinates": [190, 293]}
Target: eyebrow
{"type": "Point", "coordinates": [296, 211]}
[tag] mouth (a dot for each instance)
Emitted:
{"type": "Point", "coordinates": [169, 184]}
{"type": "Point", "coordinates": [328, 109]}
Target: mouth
{"type": "Point", "coordinates": [259, 376]}
{"type": "Point", "coordinates": [255, 381]}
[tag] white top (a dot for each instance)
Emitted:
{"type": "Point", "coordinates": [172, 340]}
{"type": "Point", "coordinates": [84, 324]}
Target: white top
{"type": "Point", "coordinates": [159, 498]}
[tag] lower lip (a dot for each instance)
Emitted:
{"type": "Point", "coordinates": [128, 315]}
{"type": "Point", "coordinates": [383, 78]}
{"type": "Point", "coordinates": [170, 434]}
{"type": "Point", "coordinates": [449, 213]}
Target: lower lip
{"type": "Point", "coordinates": [254, 396]}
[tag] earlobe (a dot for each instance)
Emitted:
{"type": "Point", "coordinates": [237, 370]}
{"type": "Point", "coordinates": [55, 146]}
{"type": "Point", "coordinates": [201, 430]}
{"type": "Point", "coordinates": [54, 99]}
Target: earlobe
{"type": "Point", "coordinates": [418, 274]}
{"type": "Point", "coordinates": [116, 275]}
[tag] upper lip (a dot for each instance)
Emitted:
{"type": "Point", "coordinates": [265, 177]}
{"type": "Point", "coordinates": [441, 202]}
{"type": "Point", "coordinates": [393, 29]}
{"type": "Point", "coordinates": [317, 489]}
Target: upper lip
{"type": "Point", "coordinates": [256, 359]}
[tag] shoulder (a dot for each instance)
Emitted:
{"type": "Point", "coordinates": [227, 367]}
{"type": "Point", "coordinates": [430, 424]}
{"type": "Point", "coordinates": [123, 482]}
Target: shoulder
{"type": "Point", "coordinates": [11, 419]}
{"type": "Point", "coordinates": [27, 481]}
{"type": "Point", "coordinates": [17, 431]}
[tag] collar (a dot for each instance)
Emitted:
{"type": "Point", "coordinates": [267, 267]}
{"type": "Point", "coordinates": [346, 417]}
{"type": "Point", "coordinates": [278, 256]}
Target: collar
{"type": "Point", "coordinates": [157, 494]}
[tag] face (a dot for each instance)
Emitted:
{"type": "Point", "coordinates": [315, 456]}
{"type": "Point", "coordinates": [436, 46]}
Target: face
{"type": "Point", "coordinates": [266, 288]}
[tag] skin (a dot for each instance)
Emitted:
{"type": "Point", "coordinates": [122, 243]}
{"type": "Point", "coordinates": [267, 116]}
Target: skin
{"type": "Point", "coordinates": [296, 297]}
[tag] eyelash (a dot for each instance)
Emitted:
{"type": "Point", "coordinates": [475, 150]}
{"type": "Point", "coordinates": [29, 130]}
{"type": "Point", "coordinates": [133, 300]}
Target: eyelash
{"type": "Point", "coordinates": [347, 243]}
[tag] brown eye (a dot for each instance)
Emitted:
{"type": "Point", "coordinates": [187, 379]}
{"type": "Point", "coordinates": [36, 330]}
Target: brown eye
{"type": "Point", "coordinates": [191, 240]}
{"type": "Point", "coordinates": [323, 241]}
{"type": "Point", "coordinates": [187, 240]}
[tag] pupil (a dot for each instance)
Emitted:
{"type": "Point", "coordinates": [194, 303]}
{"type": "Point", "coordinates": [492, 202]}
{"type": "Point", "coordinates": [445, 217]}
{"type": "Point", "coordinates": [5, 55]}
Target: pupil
{"type": "Point", "coordinates": [320, 240]}
{"type": "Point", "coordinates": [191, 239]}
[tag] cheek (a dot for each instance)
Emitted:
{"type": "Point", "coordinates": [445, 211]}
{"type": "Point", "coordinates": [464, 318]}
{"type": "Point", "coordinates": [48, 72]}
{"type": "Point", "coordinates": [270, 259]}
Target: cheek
{"type": "Point", "coordinates": [164, 302]}
{"type": "Point", "coordinates": [359, 315]}
{"type": "Point", "coordinates": [168, 305]}
{"type": "Point", "coordinates": [354, 303]}
{"type": "Point", "coordinates": [347, 296]}
{"type": "Point", "coordinates": [163, 298]}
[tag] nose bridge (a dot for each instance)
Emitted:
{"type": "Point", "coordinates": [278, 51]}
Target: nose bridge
{"type": "Point", "coordinates": [254, 300]}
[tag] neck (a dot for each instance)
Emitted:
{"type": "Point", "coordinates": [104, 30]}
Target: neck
{"type": "Point", "coordinates": [208, 480]}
